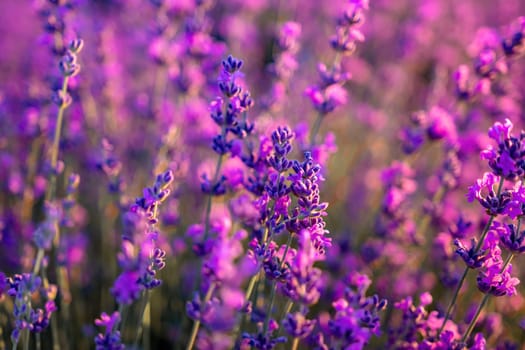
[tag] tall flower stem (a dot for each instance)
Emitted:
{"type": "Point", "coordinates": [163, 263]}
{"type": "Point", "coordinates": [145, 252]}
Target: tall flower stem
{"type": "Point", "coordinates": [270, 307]}
{"type": "Point", "coordinates": [426, 219]}
{"type": "Point", "coordinates": [56, 141]}
{"type": "Point", "coordinates": [315, 130]}
{"type": "Point", "coordinates": [249, 291]}
{"type": "Point", "coordinates": [50, 193]}
{"type": "Point", "coordinates": [295, 343]}
{"type": "Point", "coordinates": [25, 335]}
{"type": "Point", "coordinates": [274, 285]}
{"type": "Point", "coordinates": [482, 305]}
{"type": "Point", "coordinates": [197, 323]}
{"type": "Point", "coordinates": [210, 197]}
{"type": "Point", "coordinates": [144, 321]}
{"type": "Point", "coordinates": [462, 280]}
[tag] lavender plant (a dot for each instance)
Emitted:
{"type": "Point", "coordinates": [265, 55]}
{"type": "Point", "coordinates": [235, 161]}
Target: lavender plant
{"type": "Point", "coordinates": [322, 192]}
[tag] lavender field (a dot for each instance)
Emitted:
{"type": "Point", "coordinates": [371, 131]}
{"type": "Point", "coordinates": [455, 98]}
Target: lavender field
{"type": "Point", "coordinates": [262, 174]}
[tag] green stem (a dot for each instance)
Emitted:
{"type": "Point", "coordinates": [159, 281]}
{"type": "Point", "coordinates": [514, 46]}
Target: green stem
{"type": "Point", "coordinates": [295, 343]}
{"type": "Point", "coordinates": [54, 325]}
{"type": "Point", "coordinates": [475, 319]}
{"type": "Point", "coordinates": [2, 342]}
{"type": "Point", "coordinates": [288, 243]}
{"type": "Point", "coordinates": [123, 312]}
{"type": "Point", "coordinates": [251, 286]}
{"type": "Point", "coordinates": [210, 197]}
{"type": "Point", "coordinates": [453, 301]}
{"type": "Point", "coordinates": [56, 142]}
{"type": "Point", "coordinates": [287, 308]}
{"type": "Point", "coordinates": [247, 296]}
{"type": "Point", "coordinates": [197, 323]}
{"type": "Point", "coordinates": [38, 261]}
{"type": "Point", "coordinates": [270, 307]}
{"type": "Point", "coordinates": [38, 341]}
{"type": "Point", "coordinates": [143, 319]}
{"type": "Point", "coordinates": [26, 339]}
{"type": "Point", "coordinates": [482, 305]}
{"type": "Point", "coordinates": [425, 221]}
{"type": "Point", "coordinates": [462, 280]}
{"type": "Point", "coordinates": [274, 286]}
{"type": "Point", "coordinates": [315, 129]}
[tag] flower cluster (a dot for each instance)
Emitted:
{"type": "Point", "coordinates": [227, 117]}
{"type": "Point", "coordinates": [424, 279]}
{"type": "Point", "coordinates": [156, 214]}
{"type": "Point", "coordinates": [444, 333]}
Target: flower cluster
{"type": "Point", "coordinates": [22, 288]}
{"type": "Point", "coordinates": [329, 94]}
{"type": "Point", "coordinates": [276, 226]}
{"type": "Point", "coordinates": [111, 338]}
{"type": "Point", "coordinates": [139, 258]}
{"type": "Point", "coordinates": [356, 318]}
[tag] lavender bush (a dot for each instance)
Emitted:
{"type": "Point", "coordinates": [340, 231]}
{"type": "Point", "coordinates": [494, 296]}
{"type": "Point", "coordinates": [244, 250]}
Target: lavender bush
{"type": "Point", "coordinates": [262, 174]}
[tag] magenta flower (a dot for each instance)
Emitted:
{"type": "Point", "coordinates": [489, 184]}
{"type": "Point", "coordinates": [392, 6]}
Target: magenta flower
{"type": "Point", "coordinates": [493, 280]}
{"type": "Point", "coordinates": [110, 340]}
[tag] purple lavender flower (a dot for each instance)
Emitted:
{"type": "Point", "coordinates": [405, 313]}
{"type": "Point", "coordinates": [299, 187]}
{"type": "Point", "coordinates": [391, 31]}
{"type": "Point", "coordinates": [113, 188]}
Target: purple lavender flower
{"type": "Point", "coordinates": [327, 100]}
{"type": "Point", "coordinates": [126, 288]}
{"type": "Point", "coordinates": [139, 258]}
{"type": "Point", "coordinates": [472, 257]}
{"type": "Point", "coordinates": [110, 340]}
{"type": "Point", "coordinates": [297, 325]}
{"type": "Point", "coordinates": [21, 288]}
{"type": "Point", "coordinates": [46, 231]}
{"type": "Point", "coordinates": [264, 341]}
{"type": "Point", "coordinates": [483, 191]}
{"type": "Point", "coordinates": [515, 44]}
{"type": "Point", "coordinates": [493, 280]}
{"type": "Point", "coordinates": [508, 159]}
{"type": "Point", "coordinates": [303, 283]}
{"type": "Point", "coordinates": [513, 240]}
{"type": "Point", "coordinates": [421, 325]}
{"type": "Point", "coordinates": [440, 125]}
{"type": "Point", "coordinates": [356, 317]}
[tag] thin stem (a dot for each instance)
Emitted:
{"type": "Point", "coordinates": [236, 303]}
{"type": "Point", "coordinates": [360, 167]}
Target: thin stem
{"type": "Point", "coordinates": [478, 247]}
{"type": "Point", "coordinates": [210, 197]}
{"type": "Point", "coordinates": [54, 325]}
{"type": "Point", "coordinates": [144, 320]}
{"type": "Point", "coordinates": [475, 319]}
{"type": "Point", "coordinates": [63, 282]}
{"type": "Point", "coordinates": [2, 342]}
{"type": "Point", "coordinates": [270, 307]}
{"type": "Point", "coordinates": [317, 125]}
{"type": "Point", "coordinates": [197, 323]}
{"type": "Point", "coordinates": [26, 339]}
{"type": "Point", "coordinates": [295, 343]}
{"type": "Point", "coordinates": [28, 197]}
{"type": "Point", "coordinates": [462, 280]}
{"type": "Point", "coordinates": [315, 129]}
{"type": "Point", "coordinates": [38, 341]}
{"type": "Point", "coordinates": [274, 286]}
{"type": "Point", "coordinates": [247, 296]}
{"type": "Point", "coordinates": [38, 261]}
{"type": "Point", "coordinates": [56, 142]}
{"type": "Point", "coordinates": [251, 286]}
{"type": "Point", "coordinates": [453, 301]}
{"type": "Point", "coordinates": [50, 193]}
{"type": "Point", "coordinates": [288, 243]}
{"type": "Point", "coordinates": [482, 304]}
{"type": "Point", "coordinates": [425, 221]}
{"type": "Point", "coordinates": [123, 312]}
{"type": "Point", "coordinates": [287, 308]}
